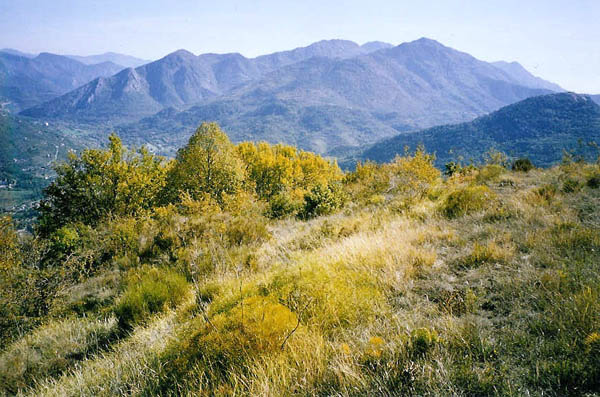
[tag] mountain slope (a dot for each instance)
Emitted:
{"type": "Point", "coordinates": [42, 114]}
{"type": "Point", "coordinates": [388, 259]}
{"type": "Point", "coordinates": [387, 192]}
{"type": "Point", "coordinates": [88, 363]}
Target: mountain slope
{"type": "Point", "coordinates": [12, 51]}
{"type": "Point", "coordinates": [28, 149]}
{"type": "Point", "coordinates": [523, 77]}
{"type": "Point", "coordinates": [385, 89]}
{"type": "Point", "coordinates": [309, 127]}
{"type": "Point", "coordinates": [538, 128]}
{"type": "Point", "coordinates": [25, 82]}
{"type": "Point", "coordinates": [404, 88]}
{"type": "Point", "coordinates": [119, 59]}
{"type": "Point", "coordinates": [425, 81]}
{"type": "Point", "coordinates": [177, 80]}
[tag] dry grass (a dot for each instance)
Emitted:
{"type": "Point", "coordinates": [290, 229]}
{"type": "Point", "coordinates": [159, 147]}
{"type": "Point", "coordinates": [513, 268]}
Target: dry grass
{"type": "Point", "coordinates": [499, 297]}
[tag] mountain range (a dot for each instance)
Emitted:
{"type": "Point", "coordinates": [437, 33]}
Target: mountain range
{"type": "Point", "coordinates": [539, 128]}
{"type": "Point", "coordinates": [126, 61]}
{"type": "Point", "coordinates": [27, 81]}
{"type": "Point", "coordinates": [335, 97]}
{"type": "Point", "coordinates": [331, 93]}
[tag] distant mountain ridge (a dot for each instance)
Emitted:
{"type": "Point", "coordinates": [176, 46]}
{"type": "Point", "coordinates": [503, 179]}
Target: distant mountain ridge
{"type": "Point", "coordinates": [26, 82]}
{"type": "Point", "coordinates": [517, 71]}
{"type": "Point", "coordinates": [124, 60]}
{"type": "Point", "coordinates": [330, 93]}
{"type": "Point", "coordinates": [538, 128]}
{"type": "Point", "coordinates": [180, 79]}
{"type": "Point", "coordinates": [410, 86]}
{"type": "Point", "coordinates": [12, 51]}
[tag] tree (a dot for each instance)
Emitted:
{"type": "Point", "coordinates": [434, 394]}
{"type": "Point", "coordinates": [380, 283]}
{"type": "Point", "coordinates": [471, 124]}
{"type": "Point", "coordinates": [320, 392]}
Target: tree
{"type": "Point", "coordinates": [99, 182]}
{"type": "Point", "coordinates": [282, 175]}
{"type": "Point", "coordinates": [9, 245]}
{"type": "Point", "coordinates": [207, 164]}
{"type": "Point", "coordinates": [412, 175]}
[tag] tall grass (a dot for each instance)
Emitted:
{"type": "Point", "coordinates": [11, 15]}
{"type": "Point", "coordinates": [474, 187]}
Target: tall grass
{"type": "Point", "coordinates": [490, 286]}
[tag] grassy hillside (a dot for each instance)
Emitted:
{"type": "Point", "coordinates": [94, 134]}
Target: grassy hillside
{"type": "Point", "coordinates": [485, 283]}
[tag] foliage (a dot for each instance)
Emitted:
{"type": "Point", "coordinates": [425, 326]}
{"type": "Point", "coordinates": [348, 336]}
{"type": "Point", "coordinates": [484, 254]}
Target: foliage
{"type": "Point", "coordinates": [322, 200]}
{"type": "Point", "coordinates": [412, 175]}
{"type": "Point", "coordinates": [276, 168]}
{"type": "Point", "coordinates": [489, 173]}
{"type": "Point", "coordinates": [9, 245]}
{"type": "Point", "coordinates": [496, 157]}
{"type": "Point", "coordinates": [368, 179]}
{"type": "Point", "coordinates": [225, 342]}
{"type": "Point", "coordinates": [207, 164]}
{"type": "Point", "coordinates": [99, 182]}
{"type": "Point", "coordinates": [467, 199]}
{"type": "Point", "coordinates": [522, 165]}
{"type": "Point", "coordinates": [409, 177]}
{"type": "Point", "coordinates": [366, 301]}
{"type": "Point", "coordinates": [594, 181]}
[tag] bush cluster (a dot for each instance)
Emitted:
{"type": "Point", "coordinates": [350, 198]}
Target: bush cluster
{"type": "Point", "coordinates": [467, 199]}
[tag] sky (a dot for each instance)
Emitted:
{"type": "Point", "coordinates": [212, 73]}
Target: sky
{"type": "Point", "coordinates": [558, 40]}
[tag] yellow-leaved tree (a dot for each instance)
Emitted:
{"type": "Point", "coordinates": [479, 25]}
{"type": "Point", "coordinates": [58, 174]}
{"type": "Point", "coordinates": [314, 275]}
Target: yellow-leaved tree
{"type": "Point", "coordinates": [207, 164]}
{"type": "Point", "coordinates": [282, 175]}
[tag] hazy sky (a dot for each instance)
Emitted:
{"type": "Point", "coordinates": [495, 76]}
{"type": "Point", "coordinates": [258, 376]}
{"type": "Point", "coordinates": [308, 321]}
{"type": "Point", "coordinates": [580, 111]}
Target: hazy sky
{"type": "Point", "coordinates": [558, 40]}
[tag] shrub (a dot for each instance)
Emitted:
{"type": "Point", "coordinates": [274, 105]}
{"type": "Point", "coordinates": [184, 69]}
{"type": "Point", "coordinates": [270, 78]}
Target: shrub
{"type": "Point", "coordinates": [273, 169]}
{"type": "Point", "coordinates": [571, 185]}
{"type": "Point", "coordinates": [65, 239]}
{"type": "Point", "coordinates": [9, 245]}
{"type": "Point", "coordinates": [367, 179]}
{"type": "Point", "coordinates": [98, 182]}
{"type": "Point", "coordinates": [322, 200]}
{"type": "Point", "coordinates": [487, 253]}
{"type": "Point", "coordinates": [207, 164]}
{"type": "Point", "coordinates": [594, 181]}
{"type": "Point", "coordinates": [451, 168]}
{"type": "Point", "coordinates": [256, 324]}
{"type": "Point", "coordinates": [522, 165]}
{"type": "Point", "coordinates": [413, 175]}
{"type": "Point", "coordinates": [226, 342]}
{"type": "Point", "coordinates": [282, 205]}
{"type": "Point", "coordinates": [421, 340]}
{"type": "Point", "coordinates": [466, 200]}
{"type": "Point", "coordinates": [149, 291]}
{"type": "Point", "coordinates": [333, 299]}
{"type": "Point", "coordinates": [546, 192]}
{"type": "Point", "coordinates": [490, 172]}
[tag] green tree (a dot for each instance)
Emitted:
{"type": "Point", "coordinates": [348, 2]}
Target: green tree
{"type": "Point", "coordinates": [98, 182]}
{"type": "Point", "coordinates": [322, 200]}
{"type": "Point", "coordinates": [207, 164]}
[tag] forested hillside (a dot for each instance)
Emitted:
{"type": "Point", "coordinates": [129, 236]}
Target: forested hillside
{"type": "Point", "coordinates": [539, 128]}
{"type": "Point", "coordinates": [259, 269]}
